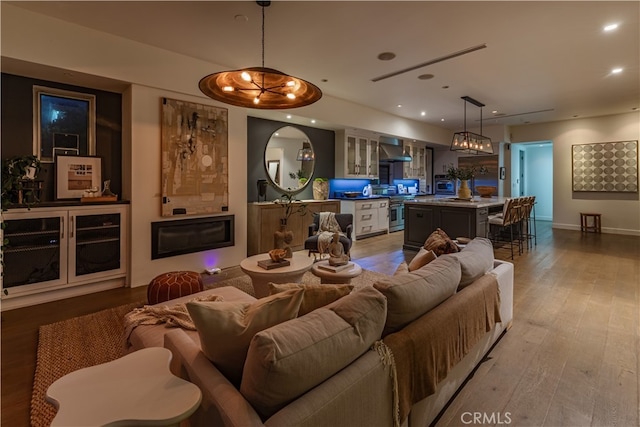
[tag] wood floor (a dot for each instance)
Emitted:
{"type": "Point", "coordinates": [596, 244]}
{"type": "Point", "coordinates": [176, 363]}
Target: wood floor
{"type": "Point", "coordinates": [570, 359]}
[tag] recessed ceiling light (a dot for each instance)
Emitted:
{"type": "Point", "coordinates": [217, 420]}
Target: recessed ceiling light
{"type": "Point", "coordinates": [241, 18]}
{"type": "Point", "coordinates": [386, 56]}
{"type": "Point", "coordinates": [575, 116]}
{"type": "Point", "coordinates": [445, 87]}
{"type": "Point", "coordinates": [611, 27]}
{"type": "Point", "coordinates": [324, 80]}
{"type": "Point", "coordinates": [616, 70]}
{"type": "Point", "coordinates": [425, 76]}
{"type": "Point", "coordinates": [442, 120]}
{"type": "Point", "coordinates": [399, 105]}
{"type": "Point", "coordinates": [313, 120]}
{"type": "Point", "coordinates": [423, 113]}
{"type": "Point", "coordinates": [494, 112]}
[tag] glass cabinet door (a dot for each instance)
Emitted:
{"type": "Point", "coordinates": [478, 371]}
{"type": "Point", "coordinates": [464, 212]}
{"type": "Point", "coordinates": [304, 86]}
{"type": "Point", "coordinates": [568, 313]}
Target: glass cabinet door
{"type": "Point", "coordinates": [362, 156]}
{"type": "Point", "coordinates": [95, 243]}
{"type": "Point", "coordinates": [35, 251]}
{"type": "Point", "coordinates": [351, 156]}
{"type": "Point", "coordinates": [374, 157]}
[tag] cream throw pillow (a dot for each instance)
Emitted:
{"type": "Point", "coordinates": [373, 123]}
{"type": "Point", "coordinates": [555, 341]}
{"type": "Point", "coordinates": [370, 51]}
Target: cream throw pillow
{"type": "Point", "coordinates": [422, 258]}
{"type": "Point", "coordinates": [289, 359]}
{"type": "Point", "coordinates": [226, 328]}
{"type": "Point", "coordinates": [403, 268]}
{"type": "Point", "coordinates": [476, 259]}
{"type": "Point", "coordinates": [315, 296]}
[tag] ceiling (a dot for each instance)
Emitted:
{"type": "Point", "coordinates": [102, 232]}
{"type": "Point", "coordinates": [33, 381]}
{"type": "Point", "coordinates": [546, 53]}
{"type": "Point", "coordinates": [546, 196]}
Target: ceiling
{"type": "Point", "coordinates": [543, 61]}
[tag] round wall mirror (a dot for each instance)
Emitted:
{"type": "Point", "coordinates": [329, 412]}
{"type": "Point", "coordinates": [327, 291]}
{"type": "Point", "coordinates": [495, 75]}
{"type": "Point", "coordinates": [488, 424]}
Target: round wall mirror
{"type": "Point", "coordinates": [289, 160]}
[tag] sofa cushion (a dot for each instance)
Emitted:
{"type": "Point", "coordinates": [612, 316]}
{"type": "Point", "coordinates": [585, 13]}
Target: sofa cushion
{"type": "Point", "coordinates": [287, 360]}
{"type": "Point", "coordinates": [476, 259]}
{"type": "Point", "coordinates": [440, 243]}
{"type": "Point", "coordinates": [411, 295]}
{"type": "Point", "coordinates": [226, 328]}
{"type": "Point", "coordinates": [315, 296]}
{"type": "Point", "coordinates": [422, 258]}
{"type": "Point", "coordinates": [403, 268]}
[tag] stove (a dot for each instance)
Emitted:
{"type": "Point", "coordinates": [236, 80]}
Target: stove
{"type": "Point", "coordinates": [396, 211]}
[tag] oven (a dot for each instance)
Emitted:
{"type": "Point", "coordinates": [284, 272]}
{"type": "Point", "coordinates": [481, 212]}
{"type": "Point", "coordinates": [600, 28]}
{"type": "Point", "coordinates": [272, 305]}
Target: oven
{"type": "Point", "coordinates": [396, 214]}
{"type": "Point", "coordinates": [444, 185]}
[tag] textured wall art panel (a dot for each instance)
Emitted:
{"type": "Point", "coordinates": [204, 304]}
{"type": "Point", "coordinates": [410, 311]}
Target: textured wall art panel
{"type": "Point", "coordinates": [605, 167]}
{"type": "Point", "coordinates": [195, 158]}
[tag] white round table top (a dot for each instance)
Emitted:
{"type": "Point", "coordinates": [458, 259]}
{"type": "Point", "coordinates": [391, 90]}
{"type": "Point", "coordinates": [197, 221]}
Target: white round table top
{"type": "Point", "coordinates": [136, 387]}
{"type": "Point", "coordinates": [300, 262]}
{"type": "Point", "coordinates": [352, 271]}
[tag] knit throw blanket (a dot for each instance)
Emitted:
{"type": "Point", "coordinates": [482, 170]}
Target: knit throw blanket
{"type": "Point", "coordinates": [327, 226]}
{"type": "Point", "coordinates": [423, 352]}
{"type": "Point", "coordinates": [172, 316]}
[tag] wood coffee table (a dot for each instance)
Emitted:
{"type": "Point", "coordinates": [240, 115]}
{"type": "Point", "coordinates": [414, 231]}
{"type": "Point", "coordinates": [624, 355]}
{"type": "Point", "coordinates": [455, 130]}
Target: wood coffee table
{"type": "Point", "coordinates": [338, 277]}
{"type": "Point", "coordinates": [260, 277]}
{"type": "Point", "coordinates": [137, 389]}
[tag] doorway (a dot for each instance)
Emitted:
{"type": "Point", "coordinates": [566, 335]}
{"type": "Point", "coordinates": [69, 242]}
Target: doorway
{"type": "Point", "coordinates": [532, 175]}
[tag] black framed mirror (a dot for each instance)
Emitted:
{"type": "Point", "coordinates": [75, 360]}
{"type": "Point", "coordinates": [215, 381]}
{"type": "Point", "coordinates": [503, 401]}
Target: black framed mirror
{"type": "Point", "coordinates": [289, 160]}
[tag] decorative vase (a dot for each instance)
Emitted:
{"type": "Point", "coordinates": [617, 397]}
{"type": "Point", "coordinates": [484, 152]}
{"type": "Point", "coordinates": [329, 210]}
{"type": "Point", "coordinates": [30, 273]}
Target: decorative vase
{"type": "Point", "coordinates": [320, 190]}
{"type": "Point", "coordinates": [282, 238]}
{"type": "Point", "coordinates": [464, 192]}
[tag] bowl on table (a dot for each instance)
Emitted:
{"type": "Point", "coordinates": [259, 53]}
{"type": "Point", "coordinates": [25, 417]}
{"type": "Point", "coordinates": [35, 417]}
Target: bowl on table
{"type": "Point", "coordinates": [486, 190]}
{"type": "Point", "coordinates": [352, 194]}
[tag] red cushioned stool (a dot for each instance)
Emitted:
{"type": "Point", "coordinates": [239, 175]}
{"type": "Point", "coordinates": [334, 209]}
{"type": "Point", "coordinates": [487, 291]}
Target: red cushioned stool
{"type": "Point", "coordinates": [174, 284]}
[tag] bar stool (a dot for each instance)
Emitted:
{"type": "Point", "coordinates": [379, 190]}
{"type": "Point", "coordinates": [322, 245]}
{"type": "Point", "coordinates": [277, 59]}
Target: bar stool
{"type": "Point", "coordinates": [596, 222]}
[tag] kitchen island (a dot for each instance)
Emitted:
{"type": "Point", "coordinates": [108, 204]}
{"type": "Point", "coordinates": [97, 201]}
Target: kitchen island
{"type": "Point", "coordinates": [458, 218]}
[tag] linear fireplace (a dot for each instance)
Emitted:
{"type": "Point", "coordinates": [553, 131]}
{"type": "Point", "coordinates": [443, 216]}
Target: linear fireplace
{"type": "Point", "coordinates": [184, 236]}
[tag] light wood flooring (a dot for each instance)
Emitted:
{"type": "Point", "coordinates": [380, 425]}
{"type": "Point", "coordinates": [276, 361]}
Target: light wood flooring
{"type": "Point", "coordinates": [570, 359]}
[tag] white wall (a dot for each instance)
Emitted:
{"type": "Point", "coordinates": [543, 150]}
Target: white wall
{"type": "Point", "coordinates": [620, 211]}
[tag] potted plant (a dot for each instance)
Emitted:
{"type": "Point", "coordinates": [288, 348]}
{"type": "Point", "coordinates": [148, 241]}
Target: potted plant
{"type": "Point", "coordinates": [300, 176]}
{"type": "Point", "coordinates": [321, 189]}
{"type": "Point", "coordinates": [464, 175]}
{"type": "Point", "coordinates": [19, 183]}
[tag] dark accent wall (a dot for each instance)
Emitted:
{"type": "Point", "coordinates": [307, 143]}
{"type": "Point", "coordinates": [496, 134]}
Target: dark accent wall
{"type": "Point", "coordinates": [17, 128]}
{"type": "Point", "coordinates": [258, 133]}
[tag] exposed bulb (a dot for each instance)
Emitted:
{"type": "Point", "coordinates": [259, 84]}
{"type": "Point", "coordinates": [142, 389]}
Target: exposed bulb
{"type": "Point", "coordinates": [245, 76]}
{"type": "Point", "coordinates": [291, 83]}
{"type": "Point", "coordinates": [291, 96]}
{"type": "Point", "coordinates": [256, 100]}
{"type": "Point", "coordinates": [228, 89]}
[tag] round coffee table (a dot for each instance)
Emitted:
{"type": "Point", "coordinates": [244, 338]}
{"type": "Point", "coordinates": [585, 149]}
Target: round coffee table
{"type": "Point", "coordinates": [338, 277]}
{"type": "Point", "coordinates": [260, 277]}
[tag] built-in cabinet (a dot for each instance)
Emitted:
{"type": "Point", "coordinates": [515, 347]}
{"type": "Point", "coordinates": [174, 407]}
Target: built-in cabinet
{"type": "Point", "coordinates": [356, 156]}
{"type": "Point", "coordinates": [53, 249]}
{"type": "Point", "coordinates": [263, 219]}
{"type": "Point", "coordinates": [421, 165]}
{"type": "Point", "coordinates": [370, 217]}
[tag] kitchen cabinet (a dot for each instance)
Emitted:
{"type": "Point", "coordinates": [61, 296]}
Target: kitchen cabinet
{"type": "Point", "coordinates": [457, 219]}
{"type": "Point", "coordinates": [356, 156]}
{"type": "Point", "coordinates": [56, 249]}
{"type": "Point", "coordinates": [370, 217]}
{"type": "Point", "coordinates": [421, 165]}
{"type": "Point", "coordinates": [263, 219]}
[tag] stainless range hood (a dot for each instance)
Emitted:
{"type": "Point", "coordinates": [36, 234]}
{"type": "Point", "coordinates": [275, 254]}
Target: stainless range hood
{"type": "Point", "coordinates": [391, 150]}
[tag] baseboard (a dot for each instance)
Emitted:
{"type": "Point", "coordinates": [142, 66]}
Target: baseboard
{"type": "Point", "coordinates": [605, 230]}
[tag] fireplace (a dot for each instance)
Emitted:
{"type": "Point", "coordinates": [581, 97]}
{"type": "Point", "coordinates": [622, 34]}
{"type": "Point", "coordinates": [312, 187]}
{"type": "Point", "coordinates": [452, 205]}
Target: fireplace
{"type": "Point", "coordinates": [184, 236]}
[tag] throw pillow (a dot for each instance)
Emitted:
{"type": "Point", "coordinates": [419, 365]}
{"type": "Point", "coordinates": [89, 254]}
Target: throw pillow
{"type": "Point", "coordinates": [411, 295]}
{"type": "Point", "coordinates": [289, 359]}
{"type": "Point", "coordinates": [226, 328]}
{"type": "Point", "coordinates": [403, 268]}
{"type": "Point", "coordinates": [476, 259]}
{"type": "Point", "coordinates": [440, 243]}
{"type": "Point", "coordinates": [315, 296]}
{"type": "Point", "coordinates": [422, 258]}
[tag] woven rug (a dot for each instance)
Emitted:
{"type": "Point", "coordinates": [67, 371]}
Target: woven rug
{"type": "Point", "coordinates": [84, 341]}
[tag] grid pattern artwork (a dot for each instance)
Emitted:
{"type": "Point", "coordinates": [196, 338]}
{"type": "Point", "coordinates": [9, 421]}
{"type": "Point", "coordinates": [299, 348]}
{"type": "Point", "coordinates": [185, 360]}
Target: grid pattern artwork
{"type": "Point", "coordinates": [605, 167]}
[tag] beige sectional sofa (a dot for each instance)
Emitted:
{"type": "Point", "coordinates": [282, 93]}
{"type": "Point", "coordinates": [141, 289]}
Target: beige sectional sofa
{"type": "Point", "coordinates": [333, 366]}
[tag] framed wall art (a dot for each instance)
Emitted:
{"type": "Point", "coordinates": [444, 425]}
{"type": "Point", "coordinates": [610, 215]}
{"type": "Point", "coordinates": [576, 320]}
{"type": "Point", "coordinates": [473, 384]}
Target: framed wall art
{"type": "Point", "coordinates": [75, 174]}
{"type": "Point", "coordinates": [605, 167]}
{"type": "Point", "coordinates": [195, 158]}
{"type": "Point", "coordinates": [63, 123]}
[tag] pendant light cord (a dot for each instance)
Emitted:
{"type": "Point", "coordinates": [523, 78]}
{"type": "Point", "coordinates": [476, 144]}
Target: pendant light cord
{"type": "Point", "coordinates": [262, 36]}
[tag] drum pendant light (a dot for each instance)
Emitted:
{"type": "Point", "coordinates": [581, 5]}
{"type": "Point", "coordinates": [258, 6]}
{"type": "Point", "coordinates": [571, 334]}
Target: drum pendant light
{"type": "Point", "coordinates": [469, 142]}
{"type": "Point", "coordinates": [260, 87]}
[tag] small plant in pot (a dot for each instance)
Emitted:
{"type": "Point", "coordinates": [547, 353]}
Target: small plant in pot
{"type": "Point", "coordinates": [300, 176]}
{"type": "Point", "coordinates": [19, 175]}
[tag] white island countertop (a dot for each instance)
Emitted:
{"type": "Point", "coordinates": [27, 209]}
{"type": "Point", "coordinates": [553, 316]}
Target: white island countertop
{"type": "Point", "coordinates": [476, 202]}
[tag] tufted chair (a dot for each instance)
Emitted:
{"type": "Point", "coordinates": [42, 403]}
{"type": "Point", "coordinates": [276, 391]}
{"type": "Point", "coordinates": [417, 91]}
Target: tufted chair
{"type": "Point", "coordinates": [346, 224]}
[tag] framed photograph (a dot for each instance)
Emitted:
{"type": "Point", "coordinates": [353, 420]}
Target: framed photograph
{"type": "Point", "coordinates": [75, 174]}
{"type": "Point", "coordinates": [63, 122]}
{"type": "Point", "coordinates": [503, 172]}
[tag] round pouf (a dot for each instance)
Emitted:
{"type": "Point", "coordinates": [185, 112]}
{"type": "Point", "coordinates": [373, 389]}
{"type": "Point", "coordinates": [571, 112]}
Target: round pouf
{"type": "Point", "coordinates": [174, 284]}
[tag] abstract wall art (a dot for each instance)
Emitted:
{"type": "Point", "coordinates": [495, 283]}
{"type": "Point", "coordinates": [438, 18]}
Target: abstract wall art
{"type": "Point", "coordinates": [195, 158]}
{"type": "Point", "coordinates": [605, 167]}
